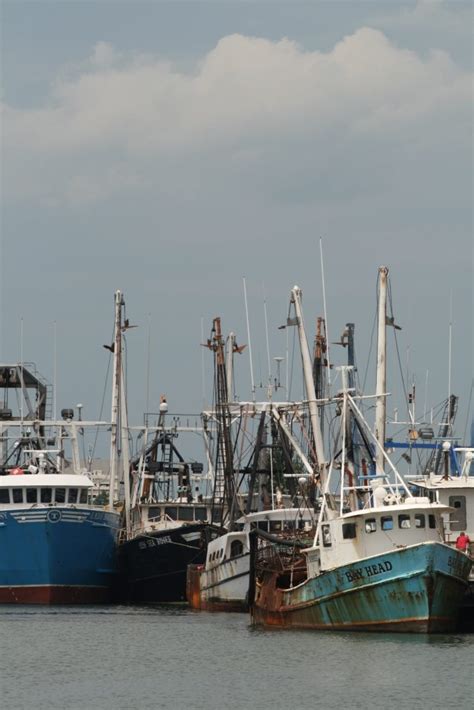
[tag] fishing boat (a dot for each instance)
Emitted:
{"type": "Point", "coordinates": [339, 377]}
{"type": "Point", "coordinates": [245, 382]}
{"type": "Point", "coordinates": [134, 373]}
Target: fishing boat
{"type": "Point", "coordinates": [170, 518]}
{"type": "Point", "coordinates": [453, 486]}
{"type": "Point", "coordinates": [57, 545]}
{"type": "Point", "coordinates": [251, 487]}
{"type": "Point", "coordinates": [379, 560]}
{"type": "Point", "coordinates": [222, 582]}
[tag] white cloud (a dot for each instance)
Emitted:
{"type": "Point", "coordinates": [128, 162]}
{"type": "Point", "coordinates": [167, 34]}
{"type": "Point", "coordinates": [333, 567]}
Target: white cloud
{"type": "Point", "coordinates": [101, 130]}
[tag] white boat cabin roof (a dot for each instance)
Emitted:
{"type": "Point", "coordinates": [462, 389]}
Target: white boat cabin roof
{"type": "Point", "coordinates": [407, 505]}
{"type": "Point", "coordinates": [432, 483]}
{"type": "Point", "coordinates": [279, 514]}
{"type": "Point", "coordinates": [46, 480]}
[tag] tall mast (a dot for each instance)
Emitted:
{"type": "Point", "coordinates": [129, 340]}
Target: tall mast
{"type": "Point", "coordinates": [125, 450]}
{"type": "Point", "coordinates": [224, 457]}
{"type": "Point", "coordinates": [309, 383]}
{"type": "Point", "coordinates": [380, 406]}
{"type": "Point", "coordinates": [116, 387]}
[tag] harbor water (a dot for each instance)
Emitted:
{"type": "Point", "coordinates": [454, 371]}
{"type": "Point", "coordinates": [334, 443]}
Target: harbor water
{"type": "Point", "coordinates": [172, 657]}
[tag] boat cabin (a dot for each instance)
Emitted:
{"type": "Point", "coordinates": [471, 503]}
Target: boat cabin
{"type": "Point", "coordinates": [372, 531]}
{"type": "Point", "coordinates": [44, 489]}
{"type": "Point", "coordinates": [457, 493]}
{"type": "Point", "coordinates": [168, 514]}
{"type": "Point", "coordinates": [276, 522]}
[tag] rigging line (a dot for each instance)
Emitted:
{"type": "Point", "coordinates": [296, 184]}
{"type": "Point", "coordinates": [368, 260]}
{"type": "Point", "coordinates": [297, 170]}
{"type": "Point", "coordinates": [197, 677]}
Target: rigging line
{"type": "Point", "coordinates": [266, 333]}
{"type": "Point", "coordinates": [468, 413]}
{"type": "Point", "coordinates": [328, 366]}
{"type": "Point", "coordinates": [404, 385]}
{"type": "Point", "coordinates": [371, 343]}
{"type": "Point", "coordinates": [252, 380]}
{"type": "Point", "coordinates": [147, 393]}
{"type": "Point", "coordinates": [203, 366]}
{"type": "Point", "coordinates": [292, 365]}
{"type": "Point", "coordinates": [103, 402]}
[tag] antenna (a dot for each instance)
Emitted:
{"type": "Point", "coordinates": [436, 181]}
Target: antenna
{"type": "Point", "coordinates": [278, 359]}
{"type": "Point", "coordinates": [22, 374]}
{"type": "Point", "coordinates": [266, 335]}
{"type": "Point", "coordinates": [426, 395]}
{"type": "Point", "coordinates": [450, 341]}
{"type": "Point", "coordinates": [55, 369]}
{"type": "Point", "coordinates": [325, 310]}
{"type": "Point", "coordinates": [147, 382]}
{"type": "Point", "coordinates": [203, 369]}
{"type": "Point", "coordinates": [252, 381]}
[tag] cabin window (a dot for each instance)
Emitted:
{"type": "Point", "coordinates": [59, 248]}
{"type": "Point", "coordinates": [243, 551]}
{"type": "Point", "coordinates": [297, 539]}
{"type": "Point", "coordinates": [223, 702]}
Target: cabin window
{"type": "Point", "coordinates": [72, 495]}
{"type": "Point", "coordinates": [31, 495]}
{"type": "Point", "coordinates": [326, 530]}
{"type": "Point", "coordinates": [432, 521]}
{"type": "Point", "coordinates": [236, 548]}
{"type": "Point", "coordinates": [83, 498]}
{"type": "Point", "coordinates": [275, 526]}
{"type": "Point", "coordinates": [262, 525]}
{"type": "Point", "coordinates": [46, 495]}
{"type": "Point", "coordinates": [200, 514]}
{"type": "Point", "coordinates": [17, 494]}
{"type": "Point", "coordinates": [154, 513]}
{"type": "Point", "coordinates": [4, 495]}
{"type": "Point", "coordinates": [370, 525]}
{"type": "Point", "coordinates": [221, 552]}
{"type": "Point", "coordinates": [60, 495]}
{"type": "Point", "coordinates": [172, 512]}
{"type": "Point", "coordinates": [419, 520]}
{"type": "Point", "coordinates": [404, 521]}
{"type": "Point", "coordinates": [386, 522]}
{"type": "Point", "coordinates": [349, 531]}
{"type": "Point", "coordinates": [458, 517]}
{"type": "Point", "coordinates": [185, 514]}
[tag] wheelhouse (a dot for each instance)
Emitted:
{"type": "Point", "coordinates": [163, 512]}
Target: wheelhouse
{"type": "Point", "coordinates": [45, 489]}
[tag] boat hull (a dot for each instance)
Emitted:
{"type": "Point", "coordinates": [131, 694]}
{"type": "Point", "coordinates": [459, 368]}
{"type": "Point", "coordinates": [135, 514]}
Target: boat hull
{"type": "Point", "coordinates": [57, 555]}
{"type": "Point", "coordinates": [415, 589]}
{"type": "Point", "coordinates": [466, 616]}
{"type": "Point", "coordinates": [221, 588]}
{"type": "Point", "coordinates": [153, 566]}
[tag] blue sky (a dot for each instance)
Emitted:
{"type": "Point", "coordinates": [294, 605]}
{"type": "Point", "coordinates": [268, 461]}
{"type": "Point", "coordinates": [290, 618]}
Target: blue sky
{"type": "Point", "coordinates": [169, 149]}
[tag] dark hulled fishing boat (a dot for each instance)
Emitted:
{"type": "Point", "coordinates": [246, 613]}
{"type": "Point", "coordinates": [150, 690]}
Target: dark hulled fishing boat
{"type": "Point", "coordinates": [170, 520]}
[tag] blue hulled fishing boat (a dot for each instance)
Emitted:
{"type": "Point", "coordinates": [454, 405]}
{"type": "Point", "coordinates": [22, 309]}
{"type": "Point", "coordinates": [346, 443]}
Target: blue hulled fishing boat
{"type": "Point", "coordinates": [56, 547]}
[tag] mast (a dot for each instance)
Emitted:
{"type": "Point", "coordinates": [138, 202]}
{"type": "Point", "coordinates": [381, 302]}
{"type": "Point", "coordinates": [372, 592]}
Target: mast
{"type": "Point", "coordinates": [116, 387]}
{"type": "Point", "coordinates": [309, 383]}
{"type": "Point", "coordinates": [125, 451]}
{"type": "Point", "coordinates": [380, 406]}
{"type": "Point", "coordinates": [224, 453]}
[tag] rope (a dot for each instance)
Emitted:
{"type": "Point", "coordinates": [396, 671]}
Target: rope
{"type": "Point", "coordinates": [102, 404]}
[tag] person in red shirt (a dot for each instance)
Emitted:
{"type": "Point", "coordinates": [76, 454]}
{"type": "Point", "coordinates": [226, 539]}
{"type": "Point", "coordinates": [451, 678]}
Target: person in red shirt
{"type": "Point", "coordinates": [462, 542]}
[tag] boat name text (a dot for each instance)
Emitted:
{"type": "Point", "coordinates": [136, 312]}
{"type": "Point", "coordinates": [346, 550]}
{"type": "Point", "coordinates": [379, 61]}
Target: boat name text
{"type": "Point", "coordinates": [152, 542]}
{"type": "Point", "coordinates": [368, 571]}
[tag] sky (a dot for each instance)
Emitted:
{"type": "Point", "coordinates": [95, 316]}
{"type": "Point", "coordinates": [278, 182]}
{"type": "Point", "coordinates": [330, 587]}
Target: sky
{"type": "Point", "coordinates": [171, 149]}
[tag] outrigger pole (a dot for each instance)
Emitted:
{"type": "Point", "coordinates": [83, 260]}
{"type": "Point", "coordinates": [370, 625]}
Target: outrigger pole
{"type": "Point", "coordinates": [309, 383]}
{"type": "Point", "coordinates": [380, 405]}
